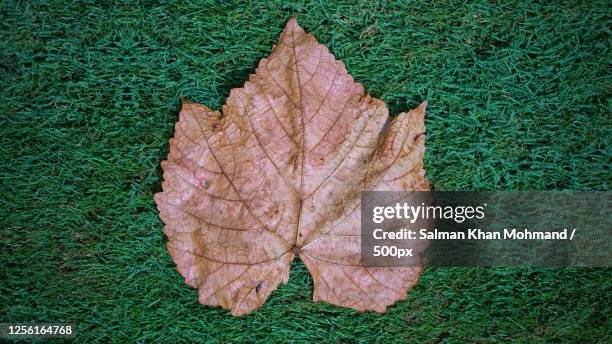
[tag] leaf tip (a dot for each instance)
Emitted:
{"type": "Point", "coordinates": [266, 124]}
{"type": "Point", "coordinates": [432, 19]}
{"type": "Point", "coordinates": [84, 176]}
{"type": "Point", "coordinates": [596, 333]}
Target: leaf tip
{"type": "Point", "coordinates": [293, 26]}
{"type": "Point", "coordinates": [423, 106]}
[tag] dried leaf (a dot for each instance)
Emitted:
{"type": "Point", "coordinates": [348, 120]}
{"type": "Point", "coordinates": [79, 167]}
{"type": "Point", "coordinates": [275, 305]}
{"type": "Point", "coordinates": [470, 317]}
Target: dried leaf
{"type": "Point", "coordinates": [279, 173]}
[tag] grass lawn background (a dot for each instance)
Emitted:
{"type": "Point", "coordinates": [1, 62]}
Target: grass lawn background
{"type": "Point", "coordinates": [89, 94]}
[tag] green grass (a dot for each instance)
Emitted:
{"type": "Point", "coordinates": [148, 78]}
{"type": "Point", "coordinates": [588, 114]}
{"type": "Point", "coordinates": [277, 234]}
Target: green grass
{"type": "Point", "coordinates": [89, 94]}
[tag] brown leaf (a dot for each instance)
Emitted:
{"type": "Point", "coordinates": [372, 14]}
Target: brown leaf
{"type": "Point", "coordinates": [279, 173]}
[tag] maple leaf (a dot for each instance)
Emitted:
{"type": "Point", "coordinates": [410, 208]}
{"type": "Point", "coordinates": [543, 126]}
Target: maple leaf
{"type": "Point", "coordinates": [278, 174]}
